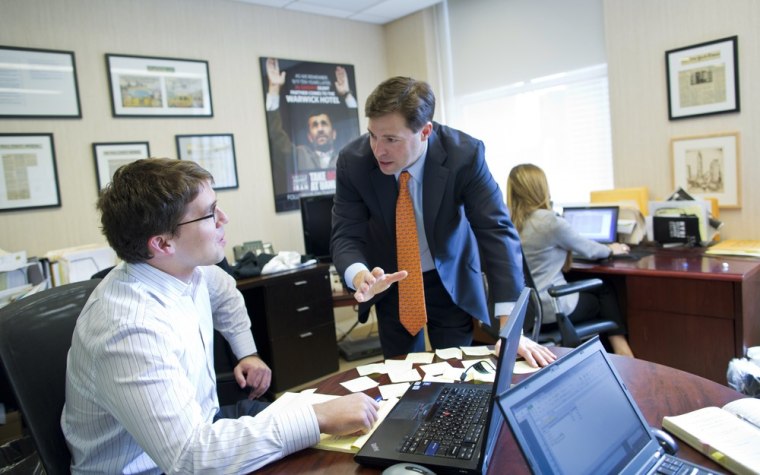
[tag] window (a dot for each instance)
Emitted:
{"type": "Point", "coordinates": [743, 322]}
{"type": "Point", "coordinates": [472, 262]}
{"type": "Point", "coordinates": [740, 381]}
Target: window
{"type": "Point", "coordinates": [560, 123]}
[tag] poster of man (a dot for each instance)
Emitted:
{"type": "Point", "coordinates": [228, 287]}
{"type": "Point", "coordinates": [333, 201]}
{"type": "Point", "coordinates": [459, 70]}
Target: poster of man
{"type": "Point", "coordinates": [311, 112]}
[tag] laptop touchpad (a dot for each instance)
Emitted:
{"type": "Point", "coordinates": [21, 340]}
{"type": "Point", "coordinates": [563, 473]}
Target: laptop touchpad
{"type": "Point", "coordinates": [409, 410]}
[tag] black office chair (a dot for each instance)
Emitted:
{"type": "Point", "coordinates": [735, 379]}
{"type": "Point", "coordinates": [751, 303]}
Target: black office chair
{"type": "Point", "coordinates": [35, 336]}
{"type": "Point", "coordinates": [564, 332]}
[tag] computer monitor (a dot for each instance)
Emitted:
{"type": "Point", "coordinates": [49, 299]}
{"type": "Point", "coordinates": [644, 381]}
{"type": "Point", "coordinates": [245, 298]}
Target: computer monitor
{"type": "Point", "coordinates": [598, 223]}
{"type": "Point", "coordinates": [316, 218]}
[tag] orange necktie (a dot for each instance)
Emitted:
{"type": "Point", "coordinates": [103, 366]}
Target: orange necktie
{"type": "Point", "coordinates": [411, 292]}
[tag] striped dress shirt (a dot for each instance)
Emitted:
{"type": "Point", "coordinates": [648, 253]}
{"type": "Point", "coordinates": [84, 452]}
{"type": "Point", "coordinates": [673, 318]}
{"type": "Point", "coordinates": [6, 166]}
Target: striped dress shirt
{"type": "Point", "coordinates": [141, 387]}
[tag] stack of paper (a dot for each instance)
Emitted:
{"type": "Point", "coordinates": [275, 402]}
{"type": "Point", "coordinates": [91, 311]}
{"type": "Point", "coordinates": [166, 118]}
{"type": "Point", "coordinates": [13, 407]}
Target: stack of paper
{"type": "Point", "coordinates": [735, 247]}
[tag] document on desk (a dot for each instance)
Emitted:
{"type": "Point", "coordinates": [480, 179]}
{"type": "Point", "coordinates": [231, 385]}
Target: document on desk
{"type": "Point", "coordinates": [344, 443]}
{"type": "Point", "coordinates": [352, 443]}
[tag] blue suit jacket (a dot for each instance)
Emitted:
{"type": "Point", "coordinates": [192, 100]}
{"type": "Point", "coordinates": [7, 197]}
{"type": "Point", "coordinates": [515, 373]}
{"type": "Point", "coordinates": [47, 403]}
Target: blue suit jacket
{"type": "Point", "coordinates": [464, 214]}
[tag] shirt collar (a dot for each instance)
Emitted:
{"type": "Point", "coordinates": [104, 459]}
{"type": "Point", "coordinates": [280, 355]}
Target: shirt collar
{"type": "Point", "coordinates": [417, 168]}
{"type": "Point", "coordinates": [161, 282]}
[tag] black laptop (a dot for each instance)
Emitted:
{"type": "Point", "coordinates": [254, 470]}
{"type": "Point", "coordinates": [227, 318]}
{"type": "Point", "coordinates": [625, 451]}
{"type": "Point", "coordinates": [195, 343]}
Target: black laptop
{"type": "Point", "coordinates": [576, 416]}
{"type": "Point", "coordinates": [448, 427]}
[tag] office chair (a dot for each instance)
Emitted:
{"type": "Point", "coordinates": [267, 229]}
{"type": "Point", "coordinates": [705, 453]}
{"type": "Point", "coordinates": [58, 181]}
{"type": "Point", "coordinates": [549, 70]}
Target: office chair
{"type": "Point", "coordinates": [35, 336]}
{"type": "Point", "coordinates": [564, 332]}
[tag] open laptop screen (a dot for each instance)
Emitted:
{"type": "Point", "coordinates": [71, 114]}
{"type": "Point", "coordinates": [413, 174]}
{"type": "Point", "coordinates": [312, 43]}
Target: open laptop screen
{"type": "Point", "coordinates": [577, 418]}
{"type": "Point", "coordinates": [598, 223]}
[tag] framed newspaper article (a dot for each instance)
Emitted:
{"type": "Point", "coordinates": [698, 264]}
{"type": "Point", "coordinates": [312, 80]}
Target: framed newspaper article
{"type": "Point", "coordinates": [28, 177]}
{"type": "Point", "coordinates": [215, 153]}
{"type": "Point", "coordinates": [110, 156]}
{"type": "Point", "coordinates": [703, 79]}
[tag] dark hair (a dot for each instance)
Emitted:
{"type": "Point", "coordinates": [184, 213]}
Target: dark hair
{"type": "Point", "coordinates": [413, 99]}
{"type": "Point", "coordinates": [146, 198]}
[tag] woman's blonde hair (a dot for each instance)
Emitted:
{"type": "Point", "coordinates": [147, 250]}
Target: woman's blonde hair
{"type": "Point", "coordinates": [527, 191]}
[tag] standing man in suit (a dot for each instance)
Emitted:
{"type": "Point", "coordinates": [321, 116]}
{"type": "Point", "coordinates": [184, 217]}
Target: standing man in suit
{"type": "Point", "coordinates": [459, 214]}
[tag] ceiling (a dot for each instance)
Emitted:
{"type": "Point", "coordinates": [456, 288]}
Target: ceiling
{"type": "Point", "coordinates": [371, 11]}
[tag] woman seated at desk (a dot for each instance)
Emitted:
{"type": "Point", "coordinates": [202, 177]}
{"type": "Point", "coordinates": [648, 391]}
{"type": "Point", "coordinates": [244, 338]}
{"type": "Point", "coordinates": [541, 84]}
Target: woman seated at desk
{"type": "Point", "coordinates": [548, 243]}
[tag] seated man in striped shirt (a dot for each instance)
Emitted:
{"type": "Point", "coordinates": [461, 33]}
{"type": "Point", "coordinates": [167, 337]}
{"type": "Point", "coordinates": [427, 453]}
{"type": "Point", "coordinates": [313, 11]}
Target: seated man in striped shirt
{"type": "Point", "coordinates": [140, 383]}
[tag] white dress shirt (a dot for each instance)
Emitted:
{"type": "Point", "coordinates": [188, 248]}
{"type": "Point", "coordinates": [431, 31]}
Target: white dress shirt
{"type": "Point", "coordinates": [141, 387]}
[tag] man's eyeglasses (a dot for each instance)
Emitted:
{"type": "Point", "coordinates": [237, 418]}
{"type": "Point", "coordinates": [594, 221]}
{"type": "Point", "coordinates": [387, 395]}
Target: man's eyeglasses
{"type": "Point", "coordinates": [212, 215]}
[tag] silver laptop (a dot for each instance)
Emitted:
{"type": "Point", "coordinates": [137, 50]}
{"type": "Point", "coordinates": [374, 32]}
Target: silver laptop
{"type": "Point", "coordinates": [411, 432]}
{"type": "Point", "coordinates": [576, 416]}
{"type": "Point", "coordinates": [598, 223]}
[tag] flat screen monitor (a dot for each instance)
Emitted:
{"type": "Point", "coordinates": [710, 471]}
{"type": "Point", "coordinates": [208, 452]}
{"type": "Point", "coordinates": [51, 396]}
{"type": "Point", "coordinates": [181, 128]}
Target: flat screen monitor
{"type": "Point", "coordinates": [598, 223]}
{"type": "Point", "coordinates": [316, 218]}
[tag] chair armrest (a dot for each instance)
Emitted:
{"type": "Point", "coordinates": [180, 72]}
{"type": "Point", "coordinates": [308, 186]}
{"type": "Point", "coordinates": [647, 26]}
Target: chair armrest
{"type": "Point", "coordinates": [573, 287]}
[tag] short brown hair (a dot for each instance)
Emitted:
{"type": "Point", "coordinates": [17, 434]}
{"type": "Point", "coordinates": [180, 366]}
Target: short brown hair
{"type": "Point", "coordinates": [413, 99]}
{"type": "Point", "coordinates": [146, 198]}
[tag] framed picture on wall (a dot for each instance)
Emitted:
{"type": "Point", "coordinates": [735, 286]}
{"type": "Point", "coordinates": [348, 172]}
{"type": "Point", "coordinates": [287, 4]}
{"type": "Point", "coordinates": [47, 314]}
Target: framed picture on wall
{"type": "Point", "coordinates": [28, 177]}
{"type": "Point", "coordinates": [215, 153]}
{"type": "Point", "coordinates": [110, 156]}
{"type": "Point", "coordinates": [38, 83]}
{"type": "Point", "coordinates": [158, 87]}
{"type": "Point", "coordinates": [703, 79]}
{"type": "Point", "coordinates": [708, 167]}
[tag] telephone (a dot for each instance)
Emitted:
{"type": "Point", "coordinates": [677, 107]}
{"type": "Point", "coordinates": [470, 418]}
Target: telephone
{"type": "Point", "coordinates": [256, 247]}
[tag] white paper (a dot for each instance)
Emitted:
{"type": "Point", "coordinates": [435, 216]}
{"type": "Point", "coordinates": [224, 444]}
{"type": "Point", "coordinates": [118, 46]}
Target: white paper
{"type": "Point", "coordinates": [476, 350]}
{"type": "Point", "coordinates": [420, 357]}
{"type": "Point", "coordinates": [449, 353]}
{"type": "Point", "coordinates": [360, 384]}
{"type": "Point", "coordinates": [397, 390]}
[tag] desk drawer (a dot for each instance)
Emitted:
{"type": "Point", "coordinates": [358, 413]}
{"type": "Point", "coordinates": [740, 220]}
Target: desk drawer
{"type": "Point", "coordinates": [300, 291]}
{"type": "Point", "coordinates": [302, 357]}
{"type": "Point", "coordinates": [285, 319]}
{"type": "Point", "coordinates": [683, 296]}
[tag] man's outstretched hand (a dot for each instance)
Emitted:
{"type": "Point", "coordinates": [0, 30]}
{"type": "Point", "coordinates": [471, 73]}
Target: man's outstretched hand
{"type": "Point", "coordinates": [368, 284]}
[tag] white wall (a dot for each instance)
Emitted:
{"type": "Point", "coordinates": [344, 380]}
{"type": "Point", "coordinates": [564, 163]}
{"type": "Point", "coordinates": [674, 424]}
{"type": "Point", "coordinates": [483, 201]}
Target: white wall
{"type": "Point", "coordinates": [638, 34]}
{"type": "Point", "coordinates": [231, 36]}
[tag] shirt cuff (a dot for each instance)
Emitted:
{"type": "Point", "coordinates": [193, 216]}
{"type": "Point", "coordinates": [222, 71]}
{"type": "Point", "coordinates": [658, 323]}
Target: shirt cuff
{"type": "Point", "coordinates": [300, 427]}
{"type": "Point", "coordinates": [242, 344]}
{"type": "Point", "coordinates": [351, 272]}
{"type": "Point", "coordinates": [273, 102]}
{"type": "Point", "coordinates": [503, 308]}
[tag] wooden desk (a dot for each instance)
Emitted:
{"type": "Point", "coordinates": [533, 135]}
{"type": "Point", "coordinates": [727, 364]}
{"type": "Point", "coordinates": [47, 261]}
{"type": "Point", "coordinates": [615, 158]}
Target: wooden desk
{"type": "Point", "coordinates": [658, 390]}
{"type": "Point", "coordinates": [686, 310]}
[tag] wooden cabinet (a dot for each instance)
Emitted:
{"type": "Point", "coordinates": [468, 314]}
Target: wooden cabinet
{"type": "Point", "coordinates": [293, 324]}
{"type": "Point", "coordinates": [685, 309]}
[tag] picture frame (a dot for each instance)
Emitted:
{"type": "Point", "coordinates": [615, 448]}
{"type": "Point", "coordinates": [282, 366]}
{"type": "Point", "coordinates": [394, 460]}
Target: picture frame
{"type": "Point", "coordinates": [215, 153]}
{"type": "Point", "coordinates": [145, 86]}
{"type": "Point", "coordinates": [39, 84]}
{"type": "Point", "coordinates": [109, 156]}
{"type": "Point", "coordinates": [703, 79]}
{"type": "Point", "coordinates": [707, 166]}
{"type": "Point", "coordinates": [28, 177]}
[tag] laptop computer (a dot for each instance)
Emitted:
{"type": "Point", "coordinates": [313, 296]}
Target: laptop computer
{"type": "Point", "coordinates": [598, 223]}
{"type": "Point", "coordinates": [576, 416]}
{"type": "Point", "coordinates": [395, 439]}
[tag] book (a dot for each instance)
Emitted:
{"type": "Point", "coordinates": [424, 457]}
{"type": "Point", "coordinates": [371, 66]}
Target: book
{"type": "Point", "coordinates": [729, 435]}
{"type": "Point", "coordinates": [735, 247]}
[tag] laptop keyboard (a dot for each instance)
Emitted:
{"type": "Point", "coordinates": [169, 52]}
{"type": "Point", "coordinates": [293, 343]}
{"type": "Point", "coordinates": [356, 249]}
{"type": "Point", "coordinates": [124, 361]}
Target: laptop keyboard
{"type": "Point", "coordinates": [675, 466]}
{"type": "Point", "coordinates": [454, 427]}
